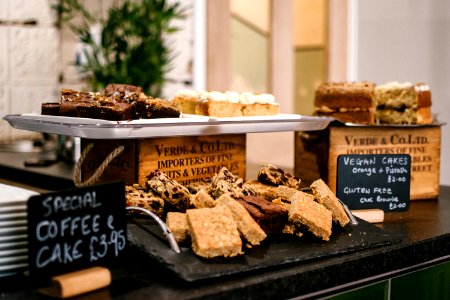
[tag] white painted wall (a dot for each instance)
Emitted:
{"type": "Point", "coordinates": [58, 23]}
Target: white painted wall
{"type": "Point", "coordinates": [406, 40]}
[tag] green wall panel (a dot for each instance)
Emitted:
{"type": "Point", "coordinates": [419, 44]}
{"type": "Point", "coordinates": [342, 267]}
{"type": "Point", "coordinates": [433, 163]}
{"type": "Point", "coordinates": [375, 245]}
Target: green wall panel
{"type": "Point", "coordinates": [377, 291]}
{"type": "Point", "coordinates": [430, 283]}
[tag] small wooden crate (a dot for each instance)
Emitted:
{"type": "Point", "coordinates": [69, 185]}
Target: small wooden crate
{"type": "Point", "coordinates": [185, 159]}
{"type": "Point", "coordinates": [316, 152]}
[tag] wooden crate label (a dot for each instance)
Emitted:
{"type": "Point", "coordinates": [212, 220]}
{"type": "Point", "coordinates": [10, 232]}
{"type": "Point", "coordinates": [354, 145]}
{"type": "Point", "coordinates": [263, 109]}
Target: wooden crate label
{"type": "Point", "coordinates": [189, 159]}
{"type": "Point", "coordinates": [422, 143]}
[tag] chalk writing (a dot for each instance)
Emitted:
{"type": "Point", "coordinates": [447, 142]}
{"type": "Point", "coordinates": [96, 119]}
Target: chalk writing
{"type": "Point", "coordinates": [374, 181]}
{"type": "Point", "coordinates": [73, 229]}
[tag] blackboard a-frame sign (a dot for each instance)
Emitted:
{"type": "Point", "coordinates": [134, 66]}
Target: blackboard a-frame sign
{"type": "Point", "coordinates": [374, 181]}
{"type": "Point", "coordinates": [75, 229]}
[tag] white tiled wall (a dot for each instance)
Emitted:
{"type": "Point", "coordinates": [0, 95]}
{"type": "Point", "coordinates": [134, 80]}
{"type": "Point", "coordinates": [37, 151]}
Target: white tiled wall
{"type": "Point", "coordinates": [29, 60]}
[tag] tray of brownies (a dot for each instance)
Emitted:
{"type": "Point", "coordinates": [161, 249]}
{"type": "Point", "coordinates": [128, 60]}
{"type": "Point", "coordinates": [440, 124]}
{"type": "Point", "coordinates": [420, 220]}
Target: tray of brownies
{"type": "Point", "coordinates": [226, 225]}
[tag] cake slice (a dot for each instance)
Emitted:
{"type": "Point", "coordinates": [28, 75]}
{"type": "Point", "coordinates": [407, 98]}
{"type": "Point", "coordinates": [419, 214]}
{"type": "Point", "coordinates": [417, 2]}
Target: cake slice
{"type": "Point", "coordinates": [226, 104]}
{"type": "Point", "coordinates": [248, 227]}
{"type": "Point", "coordinates": [304, 211]}
{"type": "Point", "coordinates": [178, 224]}
{"type": "Point", "coordinates": [168, 189]}
{"type": "Point", "coordinates": [214, 232]}
{"type": "Point", "coordinates": [352, 102]}
{"type": "Point", "coordinates": [186, 100]}
{"type": "Point", "coordinates": [403, 103]}
{"type": "Point", "coordinates": [270, 174]}
{"type": "Point", "coordinates": [326, 197]}
{"type": "Point", "coordinates": [136, 195]}
{"type": "Point", "coordinates": [218, 104]}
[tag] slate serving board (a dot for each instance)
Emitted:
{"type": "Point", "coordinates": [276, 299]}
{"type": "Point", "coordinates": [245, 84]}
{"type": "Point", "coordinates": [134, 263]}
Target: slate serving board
{"type": "Point", "coordinates": [146, 235]}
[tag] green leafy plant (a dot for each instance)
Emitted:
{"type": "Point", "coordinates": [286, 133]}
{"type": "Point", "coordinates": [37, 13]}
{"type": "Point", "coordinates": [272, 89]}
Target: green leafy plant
{"type": "Point", "coordinates": [131, 46]}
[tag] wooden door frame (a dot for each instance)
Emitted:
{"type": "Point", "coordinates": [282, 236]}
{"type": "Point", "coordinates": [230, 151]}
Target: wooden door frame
{"type": "Point", "coordinates": [281, 61]}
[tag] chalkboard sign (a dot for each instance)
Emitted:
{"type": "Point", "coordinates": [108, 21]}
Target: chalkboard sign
{"type": "Point", "coordinates": [374, 181]}
{"type": "Point", "coordinates": [74, 229]}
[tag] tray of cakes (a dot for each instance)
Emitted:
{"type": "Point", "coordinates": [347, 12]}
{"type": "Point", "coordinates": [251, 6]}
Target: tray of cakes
{"type": "Point", "coordinates": [125, 112]}
{"type": "Point", "coordinates": [225, 225]}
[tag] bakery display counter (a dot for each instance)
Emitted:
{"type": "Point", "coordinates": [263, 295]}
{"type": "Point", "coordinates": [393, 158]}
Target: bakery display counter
{"type": "Point", "coordinates": [424, 241]}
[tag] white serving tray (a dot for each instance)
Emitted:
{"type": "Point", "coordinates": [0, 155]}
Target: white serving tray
{"type": "Point", "coordinates": [187, 125]}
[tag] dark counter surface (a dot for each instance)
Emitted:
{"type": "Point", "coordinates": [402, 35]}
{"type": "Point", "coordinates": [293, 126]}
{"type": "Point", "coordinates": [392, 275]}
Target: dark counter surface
{"type": "Point", "coordinates": [425, 240]}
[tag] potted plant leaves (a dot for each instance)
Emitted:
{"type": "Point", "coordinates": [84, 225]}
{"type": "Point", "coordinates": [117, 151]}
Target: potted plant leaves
{"type": "Point", "coordinates": [129, 44]}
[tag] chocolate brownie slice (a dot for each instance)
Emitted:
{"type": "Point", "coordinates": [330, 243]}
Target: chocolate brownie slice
{"type": "Point", "coordinates": [271, 217]}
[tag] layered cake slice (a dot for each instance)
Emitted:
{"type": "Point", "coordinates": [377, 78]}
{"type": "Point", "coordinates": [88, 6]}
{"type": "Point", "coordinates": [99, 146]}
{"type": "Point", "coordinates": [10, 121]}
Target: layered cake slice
{"type": "Point", "coordinates": [403, 103]}
{"type": "Point", "coordinates": [352, 102]}
{"type": "Point", "coordinates": [226, 104]}
{"type": "Point", "coordinates": [186, 100]}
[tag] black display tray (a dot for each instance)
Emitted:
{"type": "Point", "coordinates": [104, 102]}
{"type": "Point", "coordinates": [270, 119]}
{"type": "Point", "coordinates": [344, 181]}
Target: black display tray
{"type": "Point", "coordinates": [145, 234]}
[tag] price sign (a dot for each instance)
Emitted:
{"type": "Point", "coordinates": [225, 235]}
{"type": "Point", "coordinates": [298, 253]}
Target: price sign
{"type": "Point", "coordinates": [374, 181]}
{"type": "Point", "coordinates": [75, 229]}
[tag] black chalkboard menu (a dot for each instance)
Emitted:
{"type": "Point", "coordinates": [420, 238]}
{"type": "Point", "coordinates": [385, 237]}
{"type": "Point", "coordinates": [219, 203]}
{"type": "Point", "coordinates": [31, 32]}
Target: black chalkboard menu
{"type": "Point", "coordinates": [74, 229]}
{"type": "Point", "coordinates": [374, 181]}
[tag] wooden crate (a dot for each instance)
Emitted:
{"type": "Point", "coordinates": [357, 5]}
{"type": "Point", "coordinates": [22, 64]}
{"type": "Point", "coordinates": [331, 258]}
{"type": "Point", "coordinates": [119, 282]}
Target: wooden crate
{"type": "Point", "coordinates": [316, 153]}
{"type": "Point", "coordinates": [185, 159]}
